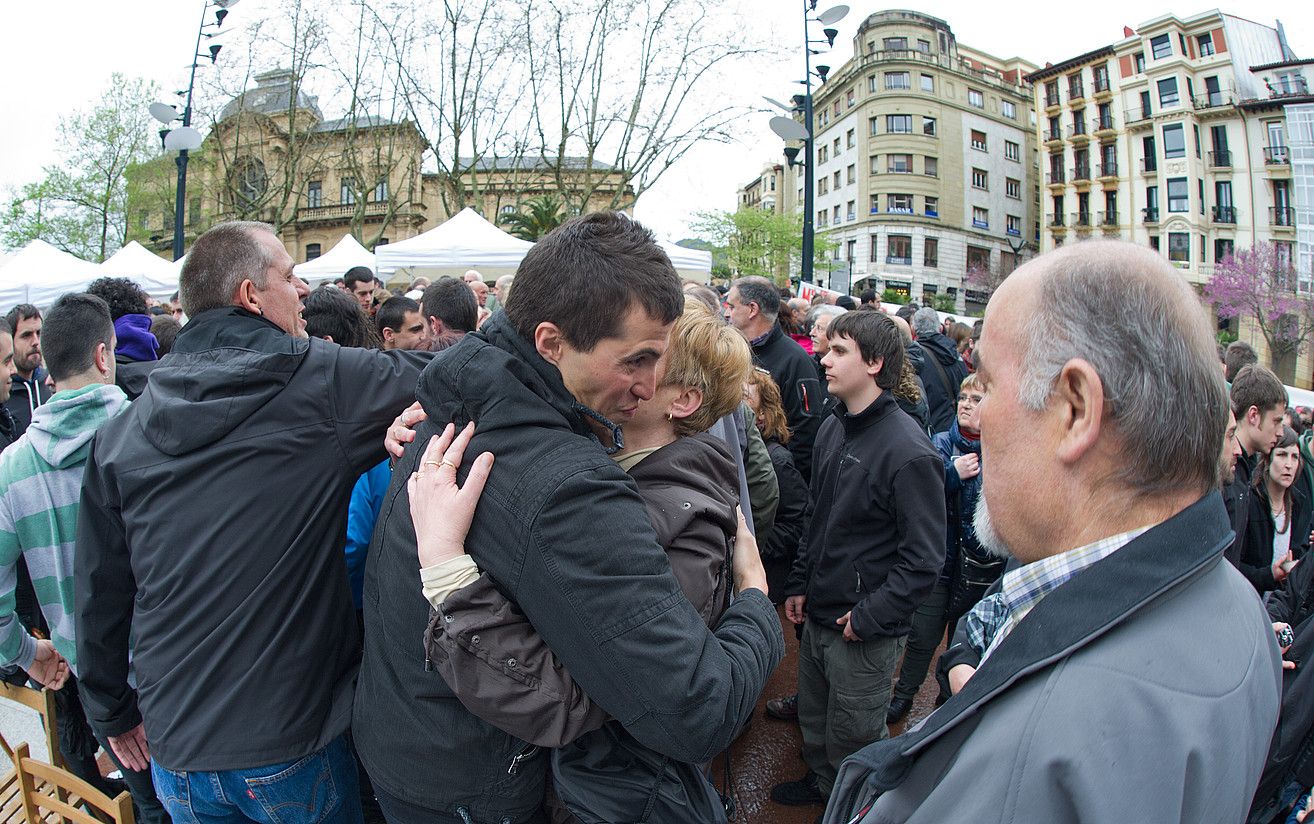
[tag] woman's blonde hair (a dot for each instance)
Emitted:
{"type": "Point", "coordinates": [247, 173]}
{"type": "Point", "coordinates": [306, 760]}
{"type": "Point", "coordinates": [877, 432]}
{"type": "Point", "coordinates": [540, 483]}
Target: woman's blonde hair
{"type": "Point", "coordinates": [770, 408]}
{"type": "Point", "coordinates": [708, 354]}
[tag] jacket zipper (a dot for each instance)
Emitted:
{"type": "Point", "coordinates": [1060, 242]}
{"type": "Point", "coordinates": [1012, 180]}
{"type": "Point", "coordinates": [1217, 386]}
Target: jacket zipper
{"type": "Point", "coordinates": [524, 755]}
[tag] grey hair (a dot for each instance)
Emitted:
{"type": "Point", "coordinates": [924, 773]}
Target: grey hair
{"type": "Point", "coordinates": [764, 293]}
{"type": "Point", "coordinates": [219, 261]}
{"type": "Point", "coordinates": [926, 321]}
{"type": "Point", "coordinates": [1131, 316]}
{"type": "Point", "coordinates": [825, 310]}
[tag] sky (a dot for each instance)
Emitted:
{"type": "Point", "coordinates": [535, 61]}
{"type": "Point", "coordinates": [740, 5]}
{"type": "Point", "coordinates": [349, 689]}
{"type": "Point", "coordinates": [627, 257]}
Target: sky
{"type": "Point", "coordinates": [58, 56]}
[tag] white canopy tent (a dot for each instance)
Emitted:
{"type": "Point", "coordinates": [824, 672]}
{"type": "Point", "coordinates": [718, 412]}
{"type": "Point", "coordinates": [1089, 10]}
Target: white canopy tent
{"type": "Point", "coordinates": [336, 261]}
{"type": "Point", "coordinates": [694, 264]}
{"type": "Point", "coordinates": [39, 273]}
{"type": "Point", "coordinates": [464, 241]}
{"type": "Point", "coordinates": [159, 277]}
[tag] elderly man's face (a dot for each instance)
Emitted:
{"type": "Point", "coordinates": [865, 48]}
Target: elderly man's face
{"type": "Point", "coordinates": [737, 312]}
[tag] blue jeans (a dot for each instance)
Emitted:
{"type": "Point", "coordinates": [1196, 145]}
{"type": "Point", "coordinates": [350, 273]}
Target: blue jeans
{"type": "Point", "coordinates": [321, 787]}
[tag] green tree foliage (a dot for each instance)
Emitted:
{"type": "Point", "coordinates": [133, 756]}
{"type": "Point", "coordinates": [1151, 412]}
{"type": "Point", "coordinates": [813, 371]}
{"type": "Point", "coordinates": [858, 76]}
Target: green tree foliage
{"type": "Point", "coordinates": [536, 217]}
{"type": "Point", "coordinates": [80, 204]}
{"type": "Point", "coordinates": [760, 242]}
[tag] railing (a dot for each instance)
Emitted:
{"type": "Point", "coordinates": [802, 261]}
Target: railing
{"type": "Point", "coordinates": [1137, 114]}
{"type": "Point", "coordinates": [1212, 100]}
{"type": "Point", "coordinates": [1150, 165]}
{"type": "Point", "coordinates": [1054, 178]}
{"type": "Point", "coordinates": [901, 260]}
{"type": "Point", "coordinates": [1081, 173]}
{"type": "Point", "coordinates": [1054, 134]}
{"type": "Point", "coordinates": [1105, 123]}
{"type": "Point", "coordinates": [1014, 232]}
{"type": "Point", "coordinates": [1109, 169]}
{"type": "Point", "coordinates": [1109, 218]}
{"type": "Point", "coordinates": [1081, 218]}
{"type": "Point", "coordinates": [1076, 91]}
{"type": "Point", "coordinates": [1055, 221]}
{"type": "Point", "coordinates": [341, 212]}
{"type": "Point", "coordinates": [980, 224]}
{"type": "Point", "coordinates": [1282, 215]}
{"type": "Point", "coordinates": [1221, 159]}
{"type": "Point", "coordinates": [1151, 214]}
{"type": "Point", "coordinates": [1077, 129]}
{"type": "Point", "coordinates": [1225, 214]}
{"type": "Point", "coordinates": [1277, 155]}
{"type": "Point", "coordinates": [1051, 99]}
{"type": "Point", "coordinates": [1101, 84]}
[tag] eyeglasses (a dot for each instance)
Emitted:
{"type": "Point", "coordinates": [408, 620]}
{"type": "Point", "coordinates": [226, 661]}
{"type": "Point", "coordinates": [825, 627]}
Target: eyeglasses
{"type": "Point", "coordinates": [975, 400]}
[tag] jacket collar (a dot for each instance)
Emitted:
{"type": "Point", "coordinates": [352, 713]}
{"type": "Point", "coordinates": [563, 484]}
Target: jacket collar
{"type": "Point", "coordinates": [762, 342]}
{"type": "Point", "coordinates": [1069, 618]}
{"type": "Point", "coordinates": [878, 409]}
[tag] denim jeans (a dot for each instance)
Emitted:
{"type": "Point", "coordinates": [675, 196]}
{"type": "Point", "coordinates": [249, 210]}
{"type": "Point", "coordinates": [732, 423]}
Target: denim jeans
{"type": "Point", "coordinates": [321, 787]}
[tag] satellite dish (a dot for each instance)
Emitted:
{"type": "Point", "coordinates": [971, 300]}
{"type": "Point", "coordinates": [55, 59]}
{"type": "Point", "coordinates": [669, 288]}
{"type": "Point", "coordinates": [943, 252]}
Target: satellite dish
{"type": "Point", "coordinates": [163, 112]}
{"type": "Point", "coordinates": [183, 138]}
{"type": "Point", "coordinates": [789, 129]}
{"type": "Point", "coordinates": [833, 15]}
{"type": "Point", "coordinates": [777, 104]}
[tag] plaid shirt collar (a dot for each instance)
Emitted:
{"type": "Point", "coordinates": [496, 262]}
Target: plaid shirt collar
{"type": "Point", "coordinates": [991, 620]}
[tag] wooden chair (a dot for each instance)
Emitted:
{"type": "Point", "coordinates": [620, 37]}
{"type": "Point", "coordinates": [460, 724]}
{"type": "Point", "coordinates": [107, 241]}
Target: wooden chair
{"type": "Point", "coordinates": [43, 701]}
{"type": "Point", "coordinates": [51, 795]}
{"type": "Point", "coordinates": [11, 793]}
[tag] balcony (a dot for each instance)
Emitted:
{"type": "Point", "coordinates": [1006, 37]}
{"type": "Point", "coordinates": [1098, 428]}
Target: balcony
{"type": "Point", "coordinates": [1055, 221]}
{"type": "Point", "coordinates": [1077, 132]}
{"type": "Point", "coordinates": [1081, 220]}
{"type": "Point", "coordinates": [1102, 84]}
{"type": "Point", "coordinates": [899, 260]}
{"type": "Point", "coordinates": [340, 213]}
{"type": "Point", "coordinates": [1014, 232]}
{"type": "Point", "coordinates": [1052, 100]}
{"type": "Point", "coordinates": [1277, 156]}
{"type": "Point", "coordinates": [1104, 123]}
{"type": "Point", "coordinates": [1137, 117]}
{"type": "Point", "coordinates": [978, 223]}
{"type": "Point", "coordinates": [1081, 173]}
{"type": "Point", "coordinates": [1054, 136]}
{"type": "Point", "coordinates": [1150, 165]}
{"type": "Point", "coordinates": [1055, 178]}
{"type": "Point", "coordinates": [1151, 214]}
{"type": "Point", "coordinates": [1212, 100]}
{"type": "Point", "coordinates": [1221, 159]}
{"type": "Point", "coordinates": [1282, 216]}
{"type": "Point", "coordinates": [1109, 169]}
{"type": "Point", "coordinates": [1076, 94]}
{"type": "Point", "coordinates": [1109, 220]}
{"type": "Point", "coordinates": [1225, 214]}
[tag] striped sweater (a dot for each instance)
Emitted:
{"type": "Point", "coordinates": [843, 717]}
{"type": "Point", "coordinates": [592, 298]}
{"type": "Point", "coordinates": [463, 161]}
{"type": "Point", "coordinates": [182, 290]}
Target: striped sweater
{"type": "Point", "coordinates": [40, 485]}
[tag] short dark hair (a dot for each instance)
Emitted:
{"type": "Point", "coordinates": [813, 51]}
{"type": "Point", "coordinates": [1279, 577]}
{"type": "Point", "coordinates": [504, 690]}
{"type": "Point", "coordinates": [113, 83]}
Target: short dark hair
{"type": "Point", "coordinates": [219, 261]}
{"type": "Point", "coordinates": [452, 302]}
{"type": "Point", "coordinates": [868, 296]}
{"type": "Point", "coordinates": [846, 302]}
{"type": "Point", "coordinates": [392, 314]}
{"type": "Point", "coordinates": [165, 328]}
{"type": "Point", "coordinates": [122, 295]}
{"type": "Point", "coordinates": [877, 336]}
{"type": "Point", "coordinates": [334, 314]}
{"type": "Point", "coordinates": [1238, 356]}
{"type": "Point", "coordinates": [356, 274]}
{"type": "Point", "coordinates": [21, 312]}
{"type": "Point", "coordinates": [1257, 386]}
{"type": "Point", "coordinates": [759, 290]}
{"type": "Point", "coordinates": [907, 311]}
{"type": "Point", "coordinates": [70, 332]}
{"type": "Point", "coordinates": [585, 275]}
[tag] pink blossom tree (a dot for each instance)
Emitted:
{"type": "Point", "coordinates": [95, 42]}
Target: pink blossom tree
{"type": "Point", "coordinates": [1261, 284]}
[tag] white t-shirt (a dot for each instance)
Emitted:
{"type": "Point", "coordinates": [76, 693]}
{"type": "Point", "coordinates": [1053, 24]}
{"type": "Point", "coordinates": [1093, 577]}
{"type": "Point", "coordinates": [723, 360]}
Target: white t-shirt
{"type": "Point", "coordinates": [1281, 542]}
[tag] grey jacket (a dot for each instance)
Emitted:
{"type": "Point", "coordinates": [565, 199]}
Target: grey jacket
{"type": "Point", "coordinates": [1145, 689]}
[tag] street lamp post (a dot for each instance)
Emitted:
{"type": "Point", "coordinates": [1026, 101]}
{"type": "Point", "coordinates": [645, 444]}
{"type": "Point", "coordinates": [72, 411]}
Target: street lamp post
{"type": "Point", "coordinates": [184, 138]}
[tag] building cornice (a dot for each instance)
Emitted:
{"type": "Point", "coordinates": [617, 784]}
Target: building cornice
{"type": "Point", "coordinates": [1060, 68]}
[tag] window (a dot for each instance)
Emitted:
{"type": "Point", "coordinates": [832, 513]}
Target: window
{"type": "Point", "coordinates": [1195, 127]}
{"type": "Point", "coordinates": [823, 185]}
{"type": "Point", "coordinates": [928, 126]}
{"type": "Point", "coordinates": [1206, 43]}
{"type": "Point", "coordinates": [849, 98]}
{"type": "Point", "coordinates": [1102, 77]}
{"type": "Point", "coordinates": [1151, 162]}
{"type": "Point", "coordinates": [1174, 141]}
{"type": "Point", "coordinates": [874, 166]}
{"type": "Point", "coordinates": [978, 140]}
{"type": "Point", "coordinates": [348, 192]}
{"type": "Point", "coordinates": [1014, 224]}
{"type": "Point", "coordinates": [835, 147]}
{"type": "Point", "coordinates": [1012, 188]}
{"type": "Point", "coordinates": [312, 251]}
{"type": "Point", "coordinates": [981, 179]}
{"type": "Point", "coordinates": [980, 217]}
{"type": "Point", "coordinates": [875, 205]}
{"type": "Point", "coordinates": [852, 173]}
{"type": "Point", "coordinates": [851, 209]}
{"type": "Point", "coordinates": [825, 116]}
{"type": "Point", "coordinates": [932, 207]}
{"type": "Point", "coordinates": [928, 83]}
{"type": "Point", "coordinates": [898, 249]}
{"type": "Point", "coordinates": [931, 167]}
{"type": "Point", "coordinates": [1223, 249]}
{"type": "Point", "coordinates": [1055, 129]}
{"type": "Point", "coordinates": [1051, 93]}
{"type": "Point", "coordinates": [1161, 47]}
{"type": "Point", "coordinates": [1140, 62]}
{"type": "Point", "coordinates": [1152, 202]}
{"type": "Point", "coordinates": [1179, 195]}
{"type": "Point", "coordinates": [976, 98]}
{"type": "Point", "coordinates": [835, 218]}
{"type": "Point", "coordinates": [871, 83]}
{"type": "Point", "coordinates": [931, 253]}
{"type": "Point", "coordinates": [896, 44]}
{"type": "Point", "coordinates": [1008, 109]}
{"type": "Point", "coordinates": [850, 139]}
{"type": "Point", "coordinates": [850, 248]}
{"type": "Point", "coordinates": [899, 204]}
{"type": "Point", "coordinates": [1105, 117]}
{"type": "Point", "coordinates": [898, 80]}
{"type": "Point", "coordinates": [898, 123]}
{"type": "Point", "coordinates": [821, 217]}
{"type": "Point", "coordinates": [823, 154]}
{"type": "Point", "coordinates": [899, 164]}
{"type": "Point", "coordinates": [1012, 151]}
{"type": "Point", "coordinates": [837, 107]}
{"type": "Point", "coordinates": [836, 182]}
{"type": "Point", "coordinates": [381, 191]}
{"type": "Point", "coordinates": [1154, 242]}
{"type": "Point", "coordinates": [1179, 247]}
{"type": "Point", "coordinates": [508, 209]}
{"type": "Point", "coordinates": [924, 46]}
{"type": "Point", "coordinates": [1146, 110]}
{"type": "Point", "coordinates": [315, 194]}
{"type": "Point", "coordinates": [1075, 89]}
{"type": "Point", "coordinates": [871, 125]}
{"type": "Point", "coordinates": [1168, 92]}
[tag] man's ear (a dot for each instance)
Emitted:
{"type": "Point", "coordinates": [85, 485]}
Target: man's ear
{"type": "Point", "coordinates": [247, 298]}
{"type": "Point", "coordinates": [550, 342]}
{"type": "Point", "coordinates": [103, 357]}
{"type": "Point", "coordinates": [1254, 417]}
{"type": "Point", "coordinates": [875, 368]}
{"type": "Point", "coordinates": [1078, 399]}
{"type": "Point", "coordinates": [388, 334]}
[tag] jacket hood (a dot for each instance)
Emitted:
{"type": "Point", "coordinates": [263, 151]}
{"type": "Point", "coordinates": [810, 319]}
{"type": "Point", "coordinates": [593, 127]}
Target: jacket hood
{"type": "Point", "coordinates": [62, 427]}
{"type": "Point", "coordinates": [941, 348]}
{"type": "Point", "coordinates": [226, 364]}
{"type": "Point", "coordinates": [135, 341]}
{"type": "Point", "coordinates": [699, 464]}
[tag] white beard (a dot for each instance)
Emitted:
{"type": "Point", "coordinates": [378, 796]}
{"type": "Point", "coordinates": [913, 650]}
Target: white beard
{"type": "Point", "coordinates": [985, 528]}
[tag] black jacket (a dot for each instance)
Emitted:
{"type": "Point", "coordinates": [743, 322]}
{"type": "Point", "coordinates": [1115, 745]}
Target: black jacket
{"type": "Point", "coordinates": [1236, 500]}
{"type": "Point", "coordinates": [1291, 757]}
{"type": "Point", "coordinates": [25, 396]}
{"type": "Point", "coordinates": [563, 531]}
{"type": "Point", "coordinates": [942, 372]}
{"type": "Point", "coordinates": [803, 396]}
{"type": "Point", "coordinates": [1256, 560]}
{"type": "Point", "coordinates": [131, 375]}
{"type": "Point", "coordinates": [211, 531]}
{"type": "Point", "coordinates": [792, 516]}
{"type": "Point", "coordinates": [876, 541]}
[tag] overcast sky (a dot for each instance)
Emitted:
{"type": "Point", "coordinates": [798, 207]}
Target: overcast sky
{"type": "Point", "coordinates": [55, 56]}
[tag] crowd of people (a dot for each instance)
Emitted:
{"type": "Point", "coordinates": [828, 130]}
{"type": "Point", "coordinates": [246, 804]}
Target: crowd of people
{"type": "Point", "coordinates": [527, 552]}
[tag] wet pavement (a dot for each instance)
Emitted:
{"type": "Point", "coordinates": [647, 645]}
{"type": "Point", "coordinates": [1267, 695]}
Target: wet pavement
{"type": "Point", "coordinates": [768, 751]}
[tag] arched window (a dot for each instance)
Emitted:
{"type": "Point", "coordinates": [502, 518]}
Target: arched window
{"type": "Point", "coordinates": [248, 183]}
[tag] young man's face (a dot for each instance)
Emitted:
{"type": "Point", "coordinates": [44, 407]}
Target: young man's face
{"type": "Point", "coordinates": [27, 345]}
{"type": "Point", "coordinates": [848, 376]}
{"type": "Point", "coordinates": [364, 292]}
{"type": "Point", "coordinates": [7, 369]}
{"type": "Point", "coordinates": [412, 334]}
{"type": "Point", "coordinates": [1231, 449]}
{"type": "Point", "coordinates": [620, 372]}
{"type": "Point", "coordinates": [1267, 426]}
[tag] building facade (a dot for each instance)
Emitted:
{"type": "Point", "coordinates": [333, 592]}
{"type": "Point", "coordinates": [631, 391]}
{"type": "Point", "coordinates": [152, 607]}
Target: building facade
{"type": "Point", "coordinates": [772, 190]}
{"type": "Point", "coordinates": [924, 159]}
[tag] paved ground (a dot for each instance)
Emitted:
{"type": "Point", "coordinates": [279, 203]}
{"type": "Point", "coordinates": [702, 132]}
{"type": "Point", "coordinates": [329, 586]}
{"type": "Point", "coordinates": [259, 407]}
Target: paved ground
{"type": "Point", "coordinates": [19, 724]}
{"type": "Point", "coordinates": [768, 752]}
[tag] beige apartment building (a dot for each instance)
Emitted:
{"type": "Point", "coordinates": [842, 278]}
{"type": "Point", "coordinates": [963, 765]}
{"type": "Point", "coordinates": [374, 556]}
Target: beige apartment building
{"type": "Point", "coordinates": [1176, 136]}
{"type": "Point", "coordinates": [925, 160]}
{"type": "Point", "coordinates": [772, 190]}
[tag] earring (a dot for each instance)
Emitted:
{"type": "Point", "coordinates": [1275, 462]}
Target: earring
{"type": "Point", "coordinates": [669, 416]}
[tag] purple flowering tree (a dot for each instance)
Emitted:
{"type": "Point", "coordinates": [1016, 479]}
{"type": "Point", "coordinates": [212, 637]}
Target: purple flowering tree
{"type": "Point", "coordinates": [1260, 284]}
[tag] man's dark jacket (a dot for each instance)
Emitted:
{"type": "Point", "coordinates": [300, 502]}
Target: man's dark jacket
{"type": "Point", "coordinates": [563, 531]}
{"type": "Point", "coordinates": [212, 530]}
{"type": "Point", "coordinates": [131, 375]}
{"type": "Point", "coordinates": [803, 396]}
{"type": "Point", "coordinates": [25, 396]}
{"type": "Point", "coordinates": [942, 372]}
{"type": "Point", "coordinates": [876, 541]}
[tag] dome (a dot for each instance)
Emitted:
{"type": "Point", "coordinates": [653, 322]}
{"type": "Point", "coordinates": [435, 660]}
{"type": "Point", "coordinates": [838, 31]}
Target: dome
{"type": "Point", "coordinates": [271, 96]}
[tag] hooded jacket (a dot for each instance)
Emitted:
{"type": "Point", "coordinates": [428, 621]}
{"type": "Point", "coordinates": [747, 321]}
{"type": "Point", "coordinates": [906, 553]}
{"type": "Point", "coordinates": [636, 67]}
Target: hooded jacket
{"type": "Point", "coordinates": [803, 396]}
{"type": "Point", "coordinates": [942, 372]}
{"type": "Point", "coordinates": [564, 533]}
{"type": "Point", "coordinates": [25, 396]}
{"type": "Point", "coordinates": [212, 532]}
{"type": "Point", "coordinates": [40, 481]}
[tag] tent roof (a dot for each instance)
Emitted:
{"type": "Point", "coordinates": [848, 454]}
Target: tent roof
{"type": "Point", "coordinates": [39, 273]}
{"type": "Point", "coordinates": [687, 260]}
{"type": "Point", "coordinates": [159, 277]}
{"type": "Point", "coordinates": [463, 240]}
{"type": "Point", "coordinates": [336, 261]}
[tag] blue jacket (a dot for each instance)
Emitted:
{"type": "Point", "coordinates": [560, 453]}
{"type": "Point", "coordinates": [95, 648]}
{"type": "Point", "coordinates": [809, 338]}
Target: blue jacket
{"type": "Point", "coordinates": [362, 514]}
{"type": "Point", "coordinates": [959, 495]}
